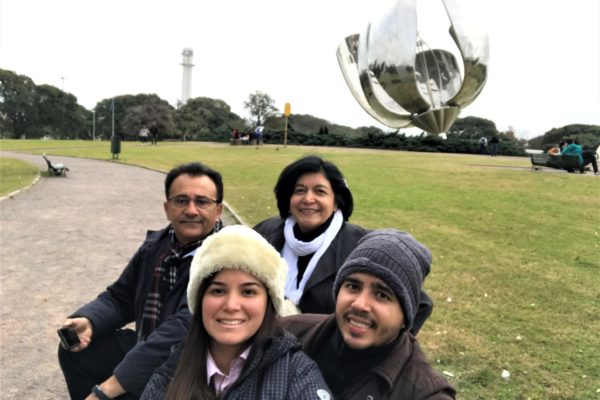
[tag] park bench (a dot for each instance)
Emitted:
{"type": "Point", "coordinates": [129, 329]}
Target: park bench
{"type": "Point", "coordinates": [55, 169]}
{"type": "Point", "coordinates": [566, 162]}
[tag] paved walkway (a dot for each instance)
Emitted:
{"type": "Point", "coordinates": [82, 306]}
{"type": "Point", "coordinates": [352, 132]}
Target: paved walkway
{"type": "Point", "coordinates": [62, 241]}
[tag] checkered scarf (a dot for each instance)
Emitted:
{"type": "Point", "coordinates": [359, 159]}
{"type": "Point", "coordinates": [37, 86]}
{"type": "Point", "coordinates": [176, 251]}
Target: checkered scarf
{"type": "Point", "coordinates": [164, 279]}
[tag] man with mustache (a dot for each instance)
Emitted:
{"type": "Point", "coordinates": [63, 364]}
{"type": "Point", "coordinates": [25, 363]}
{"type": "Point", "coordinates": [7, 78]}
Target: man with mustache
{"type": "Point", "coordinates": [111, 361]}
{"type": "Point", "coordinates": [365, 350]}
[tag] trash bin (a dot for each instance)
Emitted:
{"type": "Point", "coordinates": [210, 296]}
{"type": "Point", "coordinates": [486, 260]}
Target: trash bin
{"type": "Point", "coordinates": [115, 146]}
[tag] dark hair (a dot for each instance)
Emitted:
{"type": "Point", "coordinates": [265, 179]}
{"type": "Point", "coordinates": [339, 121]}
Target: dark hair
{"type": "Point", "coordinates": [189, 381]}
{"type": "Point", "coordinates": [309, 164]}
{"type": "Point", "coordinates": [195, 169]}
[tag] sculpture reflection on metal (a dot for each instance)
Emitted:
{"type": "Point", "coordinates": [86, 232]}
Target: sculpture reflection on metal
{"type": "Point", "coordinates": [401, 82]}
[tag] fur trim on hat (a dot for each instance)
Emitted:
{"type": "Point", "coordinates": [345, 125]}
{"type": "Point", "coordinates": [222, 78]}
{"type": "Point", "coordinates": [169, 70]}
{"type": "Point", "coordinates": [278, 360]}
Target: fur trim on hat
{"type": "Point", "coordinates": [239, 247]}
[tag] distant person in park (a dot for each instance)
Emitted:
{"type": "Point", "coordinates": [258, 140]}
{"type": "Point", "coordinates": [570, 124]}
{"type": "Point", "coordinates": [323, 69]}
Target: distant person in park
{"type": "Point", "coordinates": [236, 348]}
{"type": "Point", "coordinates": [313, 234]}
{"type": "Point", "coordinates": [235, 136]}
{"type": "Point", "coordinates": [590, 156]}
{"type": "Point", "coordinates": [113, 361]}
{"type": "Point", "coordinates": [494, 146]}
{"type": "Point", "coordinates": [154, 133]}
{"type": "Point", "coordinates": [245, 138]}
{"type": "Point", "coordinates": [585, 157]}
{"type": "Point", "coordinates": [258, 135]}
{"type": "Point", "coordinates": [144, 132]}
{"type": "Point", "coordinates": [483, 142]}
{"type": "Point", "coordinates": [365, 349]}
{"type": "Point", "coordinates": [555, 149]}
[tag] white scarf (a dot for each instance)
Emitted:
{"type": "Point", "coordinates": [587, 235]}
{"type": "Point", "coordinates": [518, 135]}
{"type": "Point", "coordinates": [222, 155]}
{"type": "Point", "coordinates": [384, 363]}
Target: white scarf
{"type": "Point", "coordinates": [293, 248]}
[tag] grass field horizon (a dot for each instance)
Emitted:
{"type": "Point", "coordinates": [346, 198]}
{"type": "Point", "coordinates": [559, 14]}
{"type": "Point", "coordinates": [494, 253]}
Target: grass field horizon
{"type": "Point", "coordinates": [516, 254]}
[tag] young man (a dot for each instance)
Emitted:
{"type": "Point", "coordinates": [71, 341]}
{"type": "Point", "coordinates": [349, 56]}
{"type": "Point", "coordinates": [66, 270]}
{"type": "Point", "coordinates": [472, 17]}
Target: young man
{"type": "Point", "coordinates": [111, 361]}
{"type": "Point", "coordinates": [365, 350]}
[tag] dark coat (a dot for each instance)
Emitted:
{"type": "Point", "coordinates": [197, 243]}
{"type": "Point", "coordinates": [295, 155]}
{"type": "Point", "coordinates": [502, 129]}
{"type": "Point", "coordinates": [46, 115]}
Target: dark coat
{"type": "Point", "coordinates": [318, 293]}
{"type": "Point", "coordinates": [123, 303]}
{"type": "Point", "coordinates": [404, 374]}
{"type": "Point", "coordinates": [279, 371]}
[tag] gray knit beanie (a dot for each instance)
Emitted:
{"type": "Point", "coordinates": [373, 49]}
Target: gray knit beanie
{"type": "Point", "coordinates": [396, 258]}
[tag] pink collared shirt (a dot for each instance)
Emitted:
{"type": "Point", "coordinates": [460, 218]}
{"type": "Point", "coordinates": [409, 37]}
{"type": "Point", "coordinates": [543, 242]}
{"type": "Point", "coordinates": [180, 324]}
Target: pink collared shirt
{"type": "Point", "coordinates": [220, 380]}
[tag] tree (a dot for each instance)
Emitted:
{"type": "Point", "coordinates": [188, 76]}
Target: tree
{"type": "Point", "coordinates": [276, 122]}
{"type": "Point", "coordinates": [207, 119]}
{"type": "Point", "coordinates": [472, 128]}
{"type": "Point", "coordinates": [151, 110]}
{"type": "Point", "coordinates": [17, 104]}
{"type": "Point", "coordinates": [28, 110]}
{"type": "Point", "coordinates": [260, 106]}
{"type": "Point", "coordinates": [59, 115]}
{"type": "Point", "coordinates": [144, 109]}
{"type": "Point", "coordinates": [587, 135]}
{"type": "Point", "coordinates": [305, 123]}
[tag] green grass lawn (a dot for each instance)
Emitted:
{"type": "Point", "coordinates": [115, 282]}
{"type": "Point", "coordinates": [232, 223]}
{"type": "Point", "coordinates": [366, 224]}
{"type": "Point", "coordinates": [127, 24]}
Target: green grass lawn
{"type": "Point", "coordinates": [15, 174]}
{"type": "Point", "coordinates": [516, 271]}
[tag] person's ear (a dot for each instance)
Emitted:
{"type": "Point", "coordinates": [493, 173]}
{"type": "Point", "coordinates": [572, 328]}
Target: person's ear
{"type": "Point", "coordinates": [166, 208]}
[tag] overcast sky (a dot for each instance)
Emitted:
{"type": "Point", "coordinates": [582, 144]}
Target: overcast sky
{"type": "Point", "coordinates": [544, 55]}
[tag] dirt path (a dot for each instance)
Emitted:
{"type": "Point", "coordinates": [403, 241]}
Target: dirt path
{"type": "Point", "coordinates": [62, 241]}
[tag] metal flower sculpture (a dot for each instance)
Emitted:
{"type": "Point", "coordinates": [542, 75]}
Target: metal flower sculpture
{"type": "Point", "coordinates": [401, 82]}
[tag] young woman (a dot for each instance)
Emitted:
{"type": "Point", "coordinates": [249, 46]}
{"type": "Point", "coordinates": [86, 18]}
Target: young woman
{"type": "Point", "coordinates": [313, 234]}
{"type": "Point", "coordinates": [235, 348]}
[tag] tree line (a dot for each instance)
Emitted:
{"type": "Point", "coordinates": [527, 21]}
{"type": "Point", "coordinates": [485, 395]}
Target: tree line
{"type": "Point", "coordinates": [33, 111]}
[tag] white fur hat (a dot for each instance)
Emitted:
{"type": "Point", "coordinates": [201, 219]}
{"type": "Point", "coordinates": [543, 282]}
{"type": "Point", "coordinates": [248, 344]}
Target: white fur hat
{"type": "Point", "coordinates": [240, 247]}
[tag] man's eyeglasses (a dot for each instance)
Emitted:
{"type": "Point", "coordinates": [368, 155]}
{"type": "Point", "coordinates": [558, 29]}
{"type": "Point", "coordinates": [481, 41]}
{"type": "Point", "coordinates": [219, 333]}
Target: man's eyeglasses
{"type": "Point", "coordinates": [199, 202]}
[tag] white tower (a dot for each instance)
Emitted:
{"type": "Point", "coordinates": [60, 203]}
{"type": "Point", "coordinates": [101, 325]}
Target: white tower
{"type": "Point", "coordinates": [186, 83]}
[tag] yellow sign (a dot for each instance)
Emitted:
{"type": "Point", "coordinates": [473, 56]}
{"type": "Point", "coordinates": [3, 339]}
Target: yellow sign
{"type": "Point", "coordinates": [287, 110]}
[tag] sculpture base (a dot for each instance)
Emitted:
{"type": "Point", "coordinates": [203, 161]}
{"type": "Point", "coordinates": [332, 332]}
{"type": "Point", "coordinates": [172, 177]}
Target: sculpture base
{"type": "Point", "coordinates": [437, 120]}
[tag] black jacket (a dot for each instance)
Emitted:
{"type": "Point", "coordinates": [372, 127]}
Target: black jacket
{"type": "Point", "coordinates": [318, 292]}
{"type": "Point", "coordinates": [123, 303]}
